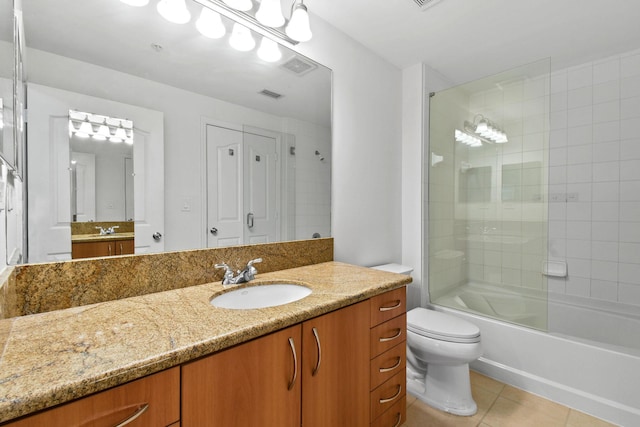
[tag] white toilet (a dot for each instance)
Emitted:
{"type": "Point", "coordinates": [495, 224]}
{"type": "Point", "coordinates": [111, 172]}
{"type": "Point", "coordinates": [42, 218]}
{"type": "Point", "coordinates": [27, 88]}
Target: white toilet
{"type": "Point", "coordinates": [439, 349]}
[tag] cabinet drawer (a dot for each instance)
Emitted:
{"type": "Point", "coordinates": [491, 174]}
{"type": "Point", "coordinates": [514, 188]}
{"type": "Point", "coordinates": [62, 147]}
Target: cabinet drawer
{"type": "Point", "coordinates": [388, 364]}
{"type": "Point", "coordinates": [388, 335]}
{"type": "Point", "coordinates": [388, 394]}
{"type": "Point", "coordinates": [394, 416]}
{"type": "Point", "coordinates": [388, 305]}
{"type": "Point", "coordinates": [158, 393]}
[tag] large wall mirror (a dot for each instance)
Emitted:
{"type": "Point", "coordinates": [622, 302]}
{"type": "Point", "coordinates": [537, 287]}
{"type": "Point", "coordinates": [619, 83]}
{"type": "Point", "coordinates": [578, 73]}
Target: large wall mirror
{"type": "Point", "coordinates": [225, 147]}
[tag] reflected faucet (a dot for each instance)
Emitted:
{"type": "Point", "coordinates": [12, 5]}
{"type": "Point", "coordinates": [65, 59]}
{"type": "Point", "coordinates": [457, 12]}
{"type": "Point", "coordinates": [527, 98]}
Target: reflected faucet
{"type": "Point", "coordinates": [109, 230]}
{"type": "Point", "coordinates": [247, 274]}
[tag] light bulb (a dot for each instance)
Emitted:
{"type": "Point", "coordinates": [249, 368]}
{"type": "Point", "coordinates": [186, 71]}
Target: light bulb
{"type": "Point", "coordinates": [210, 24]}
{"type": "Point", "coordinates": [174, 11]}
{"type": "Point", "coordinates": [120, 133]}
{"type": "Point", "coordinates": [99, 137]}
{"type": "Point", "coordinates": [269, 50]}
{"type": "Point", "coordinates": [298, 28]}
{"type": "Point", "coordinates": [242, 5]}
{"type": "Point", "coordinates": [85, 128]}
{"type": "Point", "coordinates": [136, 3]}
{"type": "Point", "coordinates": [104, 131]}
{"type": "Point", "coordinates": [270, 13]}
{"type": "Point", "coordinates": [482, 127]}
{"type": "Point", "coordinates": [241, 38]}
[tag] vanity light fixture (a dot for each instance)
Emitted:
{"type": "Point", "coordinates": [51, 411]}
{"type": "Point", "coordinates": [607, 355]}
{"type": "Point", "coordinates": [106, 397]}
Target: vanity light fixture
{"type": "Point", "coordinates": [174, 11]}
{"type": "Point", "coordinates": [486, 129]}
{"type": "Point", "coordinates": [241, 38]}
{"type": "Point", "coordinates": [269, 50]}
{"type": "Point", "coordinates": [136, 3]}
{"type": "Point", "coordinates": [210, 24]}
{"type": "Point", "coordinates": [270, 13]}
{"type": "Point", "coordinates": [100, 128]}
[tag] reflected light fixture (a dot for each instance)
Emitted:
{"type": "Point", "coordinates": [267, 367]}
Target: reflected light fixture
{"type": "Point", "coordinates": [174, 11]}
{"type": "Point", "coordinates": [99, 127]}
{"type": "Point", "coordinates": [270, 13]}
{"type": "Point", "coordinates": [487, 129]}
{"type": "Point", "coordinates": [241, 5]}
{"type": "Point", "coordinates": [136, 3]}
{"type": "Point", "coordinates": [269, 50]}
{"type": "Point", "coordinates": [210, 24]}
{"type": "Point", "coordinates": [465, 138]}
{"type": "Point", "coordinates": [298, 27]}
{"type": "Point", "coordinates": [241, 38]}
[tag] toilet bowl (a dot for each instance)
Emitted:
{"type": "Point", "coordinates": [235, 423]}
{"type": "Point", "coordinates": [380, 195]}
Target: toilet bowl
{"type": "Point", "coordinates": [439, 349]}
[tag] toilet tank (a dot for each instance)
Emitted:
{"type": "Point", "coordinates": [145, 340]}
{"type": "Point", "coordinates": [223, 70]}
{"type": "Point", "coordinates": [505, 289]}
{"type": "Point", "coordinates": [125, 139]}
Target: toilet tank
{"type": "Point", "coordinates": [394, 268]}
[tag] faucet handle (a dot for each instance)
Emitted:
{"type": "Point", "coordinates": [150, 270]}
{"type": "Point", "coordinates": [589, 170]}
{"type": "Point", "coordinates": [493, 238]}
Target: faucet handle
{"type": "Point", "coordinates": [254, 261]}
{"type": "Point", "coordinates": [228, 273]}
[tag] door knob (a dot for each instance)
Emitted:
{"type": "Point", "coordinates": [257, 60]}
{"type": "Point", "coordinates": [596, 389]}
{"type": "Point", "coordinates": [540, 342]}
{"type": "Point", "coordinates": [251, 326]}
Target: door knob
{"type": "Point", "coordinates": [213, 231]}
{"type": "Point", "coordinates": [157, 236]}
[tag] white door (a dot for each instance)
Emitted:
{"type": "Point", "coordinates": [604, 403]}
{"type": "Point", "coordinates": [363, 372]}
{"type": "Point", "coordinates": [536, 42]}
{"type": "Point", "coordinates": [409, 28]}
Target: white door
{"type": "Point", "coordinates": [49, 193]}
{"type": "Point", "coordinates": [224, 187]}
{"type": "Point", "coordinates": [260, 198]}
{"type": "Point", "coordinates": [83, 186]}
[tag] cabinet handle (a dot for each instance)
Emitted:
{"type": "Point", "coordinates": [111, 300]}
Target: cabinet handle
{"type": "Point", "coordinates": [385, 339]}
{"type": "Point", "coordinates": [392, 307]}
{"type": "Point", "coordinates": [394, 397]}
{"type": "Point", "coordinates": [121, 250]}
{"type": "Point", "coordinates": [295, 363]}
{"type": "Point", "coordinates": [399, 419]}
{"type": "Point", "coordinates": [383, 370]}
{"type": "Point", "coordinates": [109, 249]}
{"type": "Point", "coordinates": [315, 334]}
{"type": "Point", "coordinates": [141, 410]}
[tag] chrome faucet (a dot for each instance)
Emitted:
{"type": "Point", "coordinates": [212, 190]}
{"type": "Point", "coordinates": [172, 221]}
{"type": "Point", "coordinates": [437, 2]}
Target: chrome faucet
{"type": "Point", "coordinates": [109, 230]}
{"type": "Point", "coordinates": [247, 274]}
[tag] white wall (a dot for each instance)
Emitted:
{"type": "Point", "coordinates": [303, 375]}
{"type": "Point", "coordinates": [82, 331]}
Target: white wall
{"type": "Point", "coordinates": [366, 219]}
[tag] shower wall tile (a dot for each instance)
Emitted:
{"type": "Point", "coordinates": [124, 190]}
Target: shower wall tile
{"type": "Point", "coordinates": [629, 293]}
{"type": "Point", "coordinates": [596, 225]}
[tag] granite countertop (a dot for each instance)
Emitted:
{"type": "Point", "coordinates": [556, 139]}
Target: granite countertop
{"type": "Point", "coordinates": [54, 357]}
{"type": "Point", "coordinates": [97, 237]}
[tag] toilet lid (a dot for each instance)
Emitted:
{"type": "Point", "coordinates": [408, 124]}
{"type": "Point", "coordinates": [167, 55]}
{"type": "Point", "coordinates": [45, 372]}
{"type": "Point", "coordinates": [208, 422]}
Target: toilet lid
{"type": "Point", "coordinates": [441, 326]}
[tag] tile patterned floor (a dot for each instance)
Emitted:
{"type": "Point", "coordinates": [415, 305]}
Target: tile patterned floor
{"type": "Point", "coordinates": [501, 405]}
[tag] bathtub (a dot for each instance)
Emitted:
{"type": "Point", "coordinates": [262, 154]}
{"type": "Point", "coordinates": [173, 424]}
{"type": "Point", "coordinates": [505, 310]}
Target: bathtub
{"type": "Point", "coordinates": [578, 363]}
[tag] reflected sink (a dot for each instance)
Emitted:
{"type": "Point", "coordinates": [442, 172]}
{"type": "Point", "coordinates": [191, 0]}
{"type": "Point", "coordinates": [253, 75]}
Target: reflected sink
{"type": "Point", "coordinates": [261, 296]}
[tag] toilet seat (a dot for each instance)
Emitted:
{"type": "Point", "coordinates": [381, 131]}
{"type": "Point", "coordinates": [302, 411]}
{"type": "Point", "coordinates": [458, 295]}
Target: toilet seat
{"type": "Point", "coordinates": [441, 326]}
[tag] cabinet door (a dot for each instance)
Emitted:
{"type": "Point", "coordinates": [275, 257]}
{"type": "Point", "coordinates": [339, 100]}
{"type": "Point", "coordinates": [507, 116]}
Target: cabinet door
{"type": "Point", "coordinates": [335, 368]}
{"type": "Point", "coordinates": [92, 249]}
{"type": "Point", "coordinates": [253, 384]}
{"type": "Point", "coordinates": [124, 247]}
{"type": "Point", "coordinates": [150, 401]}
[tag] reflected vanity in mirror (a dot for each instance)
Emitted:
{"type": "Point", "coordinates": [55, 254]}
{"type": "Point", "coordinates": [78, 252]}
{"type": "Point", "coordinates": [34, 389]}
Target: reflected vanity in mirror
{"type": "Point", "coordinates": [193, 101]}
{"type": "Point", "coordinates": [101, 169]}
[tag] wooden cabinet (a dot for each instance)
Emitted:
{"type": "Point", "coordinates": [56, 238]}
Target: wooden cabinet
{"type": "Point", "coordinates": [109, 247]}
{"type": "Point", "coordinates": [149, 401]}
{"type": "Point", "coordinates": [335, 371]}
{"type": "Point", "coordinates": [275, 380]}
{"type": "Point", "coordinates": [253, 384]}
{"type": "Point", "coordinates": [388, 358]}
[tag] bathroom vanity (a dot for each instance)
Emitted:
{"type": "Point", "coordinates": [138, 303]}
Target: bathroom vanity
{"type": "Point", "coordinates": [335, 357]}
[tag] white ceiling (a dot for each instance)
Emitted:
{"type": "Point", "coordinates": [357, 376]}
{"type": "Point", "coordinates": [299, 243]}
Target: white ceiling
{"type": "Point", "coordinates": [468, 39]}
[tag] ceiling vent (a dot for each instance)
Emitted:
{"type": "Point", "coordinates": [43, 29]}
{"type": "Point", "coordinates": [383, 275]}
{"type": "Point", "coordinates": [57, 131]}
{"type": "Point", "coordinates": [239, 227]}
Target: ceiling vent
{"type": "Point", "coordinates": [426, 4]}
{"type": "Point", "coordinates": [270, 94]}
{"type": "Point", "coordinates": [299, 66]}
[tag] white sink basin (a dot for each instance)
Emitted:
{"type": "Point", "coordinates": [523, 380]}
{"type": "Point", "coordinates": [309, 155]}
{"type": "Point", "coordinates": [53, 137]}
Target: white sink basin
{"type": "Point", "coordinates": [261, 296]}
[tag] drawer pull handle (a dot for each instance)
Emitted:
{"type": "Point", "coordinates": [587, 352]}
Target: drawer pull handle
{"type": "Point", "coordinates": [399, 419]}
{"type": "Point", "coordinates": [398, 363]}
{"type": "Point", "coordinates": [397, 335]}
{"type": "Point", "coordinates": [315, 334]}
{"type": "Point", "coordinates": [394, 397]}
{"type": "Point", "coordinates": [391, 307]}
{"type": "Point", "coordinates": [141, 410]}
{"type": "Point", "coordinates": [110, 255]}
{"type": "Point", "coordinates": [121, 250]}
{"type": "Point", "coordinates": [295, 364]}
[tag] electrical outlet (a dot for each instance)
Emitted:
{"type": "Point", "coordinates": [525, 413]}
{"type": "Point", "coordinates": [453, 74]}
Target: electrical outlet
{"type": "Point", "coordinates": [186, 204]}
{"type": "Point", "coordinates": [558, 197]}
{"type": "Point", "coordinates": [572, 197]}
